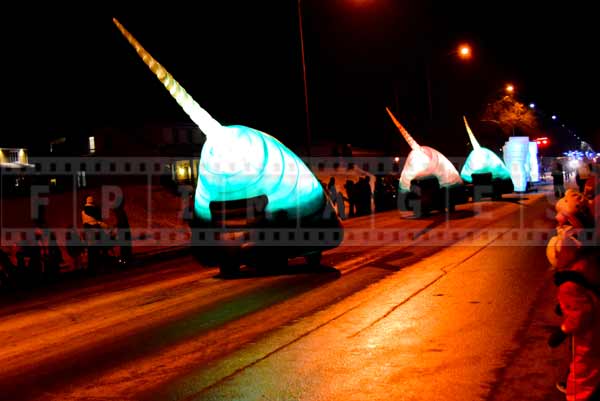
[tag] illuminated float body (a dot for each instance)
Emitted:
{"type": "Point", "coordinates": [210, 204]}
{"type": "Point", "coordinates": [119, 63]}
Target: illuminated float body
{"type": "Point", "coordinates": [482, 160]}
{"type": "Point", "coordinates": [534, 167]}
{"type": "Point", "coordinates": [485, 170]}
{"type": "Point", "coordinates": [516, 157]}
{"type": "Point", "coordinates": [250, 174]}
{"type": "Point", "coordinates": [428, 166]}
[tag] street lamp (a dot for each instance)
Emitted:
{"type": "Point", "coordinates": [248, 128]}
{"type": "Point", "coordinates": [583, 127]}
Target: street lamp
{"type": "Point", "coordinates": [464, 52]}
{"type": "Point", "coordinates": [509, 88]}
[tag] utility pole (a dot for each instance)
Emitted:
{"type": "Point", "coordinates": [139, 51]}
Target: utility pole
{"type": "Point", "coordinates": [308, 134]}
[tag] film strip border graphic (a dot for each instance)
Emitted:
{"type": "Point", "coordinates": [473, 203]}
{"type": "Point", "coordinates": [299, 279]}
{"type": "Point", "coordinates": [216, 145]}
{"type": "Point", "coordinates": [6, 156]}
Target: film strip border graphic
{"type": "Point", "coordinates": [97, 165]}
{"type": "Point", "coordinates": [294, 237]}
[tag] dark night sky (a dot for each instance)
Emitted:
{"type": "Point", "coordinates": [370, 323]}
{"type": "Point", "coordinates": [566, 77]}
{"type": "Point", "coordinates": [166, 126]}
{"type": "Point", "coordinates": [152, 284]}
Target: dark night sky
{"type": "Point", "coordinates": [241, 61]}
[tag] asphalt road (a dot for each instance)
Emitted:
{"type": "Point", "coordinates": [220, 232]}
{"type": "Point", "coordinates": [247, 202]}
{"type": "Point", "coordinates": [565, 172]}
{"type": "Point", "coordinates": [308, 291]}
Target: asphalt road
{"type": "Point", "coordinates": [406, 309]}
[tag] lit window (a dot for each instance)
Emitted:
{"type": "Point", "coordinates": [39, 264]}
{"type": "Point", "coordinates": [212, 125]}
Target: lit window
{"type": "Point", "coordinates": [92, 143]}
{"type": "Point", "coordinates": [13, 156]}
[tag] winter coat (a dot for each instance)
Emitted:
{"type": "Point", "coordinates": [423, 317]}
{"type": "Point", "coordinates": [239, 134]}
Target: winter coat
{"type": "Point", "coordinates": [578, 279]}
{"type": "Point", "coordinates": [581, 319]}
{"type": "Point", "coordinates": [564, 248]}
{"type": "Point", "coordinates": [579, 299]}
{"type": "Point", "coordinates": [90, 218]}
{"type": "Point", "coordinates": [95, 230]}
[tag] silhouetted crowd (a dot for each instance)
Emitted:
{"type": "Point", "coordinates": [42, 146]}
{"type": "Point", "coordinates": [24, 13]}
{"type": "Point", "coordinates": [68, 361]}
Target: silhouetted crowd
{"type": "Point", "coordinates": [38, 259]}
{"type": "Point", "coordinates": [358, 198]}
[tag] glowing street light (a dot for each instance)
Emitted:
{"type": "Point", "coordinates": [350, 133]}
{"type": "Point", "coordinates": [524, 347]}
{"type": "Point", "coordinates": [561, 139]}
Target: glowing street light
{"type": "Point", "coordinates": [510, 88]}
{"type": "Point", "coordinates": [464, 51]}
{"type": "Point", "coordinates": [553, 117]}
{"type": "Point", "coordinates": [532, 105]}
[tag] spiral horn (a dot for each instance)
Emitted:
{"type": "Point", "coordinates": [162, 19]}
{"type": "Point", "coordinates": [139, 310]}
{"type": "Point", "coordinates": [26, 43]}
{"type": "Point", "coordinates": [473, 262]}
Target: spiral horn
{"type": "Point", "coordinates": [205, 121]}
{"type": "Point", "coordinates": [471, 136]}
{"type": "Point", "coordinates": [413, 144]}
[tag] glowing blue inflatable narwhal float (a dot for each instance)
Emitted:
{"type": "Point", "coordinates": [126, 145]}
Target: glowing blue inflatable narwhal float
{"type": "Point", "coordinates": [483, 161]}
{"type": "Point", "coordinates": [243, 170]}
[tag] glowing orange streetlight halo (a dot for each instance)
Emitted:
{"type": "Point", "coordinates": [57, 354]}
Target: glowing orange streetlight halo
{"type": "Point", "coordinates": [510, 88]}
{"type": "Point", "coordinates": [464, 51]}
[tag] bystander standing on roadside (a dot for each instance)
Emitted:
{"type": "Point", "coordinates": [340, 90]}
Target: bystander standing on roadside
{"type": "Point", "coordinates": [558, 180]}
{"type": "Point", "coordinates": [123, 232]}
{"type": "Point", "coordinates": [577, 276]}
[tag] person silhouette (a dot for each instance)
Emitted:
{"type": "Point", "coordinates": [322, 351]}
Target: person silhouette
{"type": "Point", "coordinates": [332, 191]}
{"type": "Point", "coordinates": [123, 232]}
{"type": "Point", "coordinates": [558, 180]}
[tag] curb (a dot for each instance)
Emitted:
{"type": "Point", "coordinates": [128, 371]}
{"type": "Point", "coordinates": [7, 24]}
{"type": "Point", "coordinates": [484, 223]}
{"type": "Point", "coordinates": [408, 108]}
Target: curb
{"type": "Point", "coordinates": [155, 255]}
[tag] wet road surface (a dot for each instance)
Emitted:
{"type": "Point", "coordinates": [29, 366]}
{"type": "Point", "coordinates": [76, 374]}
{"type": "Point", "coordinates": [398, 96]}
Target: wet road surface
{"type": "Point", "coordinates": [435, 314]}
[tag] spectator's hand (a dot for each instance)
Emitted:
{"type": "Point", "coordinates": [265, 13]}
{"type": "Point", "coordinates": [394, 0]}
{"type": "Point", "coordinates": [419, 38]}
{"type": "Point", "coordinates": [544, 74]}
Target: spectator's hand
{"type": "Point", "coordinates": [556, 337]}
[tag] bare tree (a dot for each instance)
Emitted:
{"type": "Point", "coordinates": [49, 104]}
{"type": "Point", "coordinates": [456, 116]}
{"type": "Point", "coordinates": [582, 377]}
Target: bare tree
{"type": "Point", "coordinates": [511, 114]}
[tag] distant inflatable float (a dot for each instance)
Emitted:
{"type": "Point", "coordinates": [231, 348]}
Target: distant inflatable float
{"type": "Point", "coordinates": [481, 161]}
{"type": "Point", "coordinates": [424, 161]}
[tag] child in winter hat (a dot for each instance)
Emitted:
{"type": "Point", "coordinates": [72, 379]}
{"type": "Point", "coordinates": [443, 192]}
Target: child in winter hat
{"type": "Point", "coordinates": [578, 294]}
